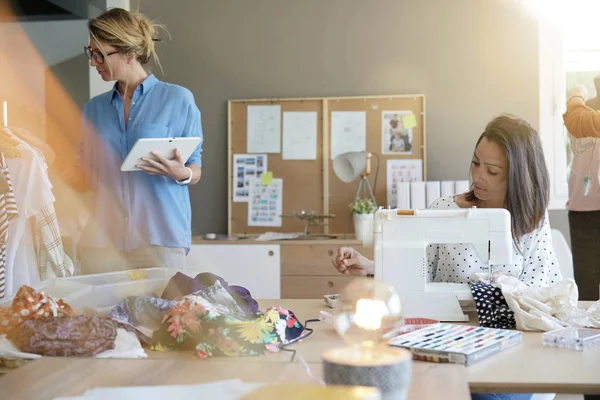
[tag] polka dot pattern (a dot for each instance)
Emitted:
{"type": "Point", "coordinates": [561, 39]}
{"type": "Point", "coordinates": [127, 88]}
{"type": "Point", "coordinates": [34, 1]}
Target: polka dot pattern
{"type": "Point", "coordinates": [492, 309]}
{"type": "Point", "coordinates": [536, 264]}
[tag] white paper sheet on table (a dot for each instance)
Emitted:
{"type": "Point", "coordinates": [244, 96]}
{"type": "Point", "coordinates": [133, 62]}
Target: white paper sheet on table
{"type": "Point", "coordinates": [299, 136]}
{"type": "Point", "coordinates": [266, 203]}
{"type": "Point", "coordinates": [229, 389]}
{"type": "Point", "coordinates": [348, 132]}
{"type": "Point", "coordinates": [263, 129]}
{"type": "Point", "coordinates": [278, 236]}
{"type": "Point", "coordinates": [401, 171]}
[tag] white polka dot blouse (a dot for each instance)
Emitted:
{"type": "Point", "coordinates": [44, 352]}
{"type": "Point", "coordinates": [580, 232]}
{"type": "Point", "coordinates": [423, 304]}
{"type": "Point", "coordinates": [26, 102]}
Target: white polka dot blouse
{"type": "Point", "coordinates": [536, 264]}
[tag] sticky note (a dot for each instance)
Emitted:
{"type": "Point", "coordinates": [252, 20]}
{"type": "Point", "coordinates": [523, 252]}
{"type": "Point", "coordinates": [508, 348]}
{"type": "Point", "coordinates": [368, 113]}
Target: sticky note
{"type": "Point", "coordinates": [409, 121]}
{"type": "Point", "coordinates": [266, 178]}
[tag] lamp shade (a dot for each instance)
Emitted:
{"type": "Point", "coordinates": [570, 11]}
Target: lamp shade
{"type": "Point", "coordinates": [349, 166]}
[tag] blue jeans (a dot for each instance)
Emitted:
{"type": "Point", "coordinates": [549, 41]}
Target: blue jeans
{"type": "Point", "coordinates": [501, 396]}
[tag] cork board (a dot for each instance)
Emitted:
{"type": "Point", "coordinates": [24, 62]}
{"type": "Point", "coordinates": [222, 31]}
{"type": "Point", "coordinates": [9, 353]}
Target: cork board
{"type": "Point", "coordinates": [311, 185]}
{"type": "Point", "coordinates": [341, 194]}
{"type": "Point", "coordinates": [302, 179]}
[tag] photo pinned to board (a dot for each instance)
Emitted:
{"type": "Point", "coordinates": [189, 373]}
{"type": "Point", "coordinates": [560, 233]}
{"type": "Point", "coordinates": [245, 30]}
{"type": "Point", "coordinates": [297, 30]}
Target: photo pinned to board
{"type": "Point", "coordinates": [246, 167]}
{"type": "Point", "coordinates": [396, 138]}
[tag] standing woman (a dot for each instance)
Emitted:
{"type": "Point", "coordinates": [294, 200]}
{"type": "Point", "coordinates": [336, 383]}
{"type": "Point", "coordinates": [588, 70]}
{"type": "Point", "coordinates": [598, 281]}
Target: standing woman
{"type": "Point", "coordinates": [583, 124]}
{"type": "Point", "coordinates": [142, 218]}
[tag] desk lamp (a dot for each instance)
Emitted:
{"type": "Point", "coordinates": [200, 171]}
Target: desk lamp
{"type": "Point", "coordinates": [367, 315]}
{"type": "Point", "coordinates": [351, 165]}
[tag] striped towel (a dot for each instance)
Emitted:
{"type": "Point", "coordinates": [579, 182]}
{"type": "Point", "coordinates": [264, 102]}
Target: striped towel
{"type": "Point", "coordinates": [8, 211]}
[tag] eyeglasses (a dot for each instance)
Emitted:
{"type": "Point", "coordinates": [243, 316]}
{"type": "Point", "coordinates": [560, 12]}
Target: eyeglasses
{"type": "Point", "coordinates": [96, 55]}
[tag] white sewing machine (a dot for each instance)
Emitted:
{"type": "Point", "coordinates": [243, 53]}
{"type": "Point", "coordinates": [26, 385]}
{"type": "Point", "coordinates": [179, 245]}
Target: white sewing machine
{"type": "Point", "coordinates": [401, 237]}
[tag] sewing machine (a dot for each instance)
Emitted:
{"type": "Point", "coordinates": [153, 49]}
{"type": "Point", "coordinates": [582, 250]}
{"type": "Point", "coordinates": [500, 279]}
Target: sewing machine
{"type": "Point", "coordinates": [401, 237]}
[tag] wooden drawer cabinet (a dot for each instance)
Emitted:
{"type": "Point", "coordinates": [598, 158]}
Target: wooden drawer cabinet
{"type": "Point", "coordinates": [313, 259]}
{"type": "Point", "coordinates": [307, 271]}
{"type": "Point", "coordinates": [287, 269]}
{"type": "Point", "coordinates": [312, 287]}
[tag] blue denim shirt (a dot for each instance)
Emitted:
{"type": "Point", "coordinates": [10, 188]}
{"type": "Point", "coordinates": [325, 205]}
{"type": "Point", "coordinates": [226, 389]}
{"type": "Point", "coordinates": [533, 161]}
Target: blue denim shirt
{"type": "Point", "coordinates": [132, 210]}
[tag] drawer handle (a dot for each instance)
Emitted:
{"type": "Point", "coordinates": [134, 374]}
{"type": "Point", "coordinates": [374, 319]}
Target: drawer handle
{"type": "Point", "coordinates": [330, 284]}
{"type": "Point", "coordinates": [271, 253]}
{"type": "Point", "coordinates": [330, 253]}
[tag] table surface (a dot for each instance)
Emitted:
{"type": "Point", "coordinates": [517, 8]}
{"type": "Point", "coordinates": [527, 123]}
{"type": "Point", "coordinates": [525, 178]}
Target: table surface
{"type": "Point", "coordinates": [528, 367]}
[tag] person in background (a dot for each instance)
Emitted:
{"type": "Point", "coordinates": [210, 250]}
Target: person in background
{"type": "Point", "coordinates": [583, 124]}
{"type": "Point", "coordinates": [508, 170]}
{"type": "Point", "coordinates": [141, 218]}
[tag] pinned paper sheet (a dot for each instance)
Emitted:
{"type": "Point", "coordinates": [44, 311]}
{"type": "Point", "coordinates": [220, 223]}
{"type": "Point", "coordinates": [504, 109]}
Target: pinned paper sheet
{"type": "Point", "coordinates": [264, 129]}
{"type": "Point", "coordinates": [265, 205]}
{"type": "Point", "coordinates": [401, 171]}
{"type": "Point", "coordinates": [246, 167]}
{"type": "Point", "coordinates": [348, 132]}
{"type": "Point", "coordinates": [409, 121]}
{"type": "Point", "coordinates": [299, 136]}
{"type": "Point", "coordinates": [266, 178]}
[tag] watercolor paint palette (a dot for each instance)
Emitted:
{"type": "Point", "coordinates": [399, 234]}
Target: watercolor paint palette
{"type": "Point", "coordinates": [459, 344]}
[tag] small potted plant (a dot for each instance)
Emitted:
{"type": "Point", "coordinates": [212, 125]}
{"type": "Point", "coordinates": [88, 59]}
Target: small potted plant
{"type": "Point", "coordinates": [362, 210]}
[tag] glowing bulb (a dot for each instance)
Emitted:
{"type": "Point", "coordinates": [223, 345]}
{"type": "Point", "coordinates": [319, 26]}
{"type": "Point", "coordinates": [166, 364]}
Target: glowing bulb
{"type": "Point", "coordinates": [367, 313]}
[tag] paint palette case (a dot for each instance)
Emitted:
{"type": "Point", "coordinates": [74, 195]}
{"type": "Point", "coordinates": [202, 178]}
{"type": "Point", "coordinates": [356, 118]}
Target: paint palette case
{"type": "Point", "coordinates": [459, 344]}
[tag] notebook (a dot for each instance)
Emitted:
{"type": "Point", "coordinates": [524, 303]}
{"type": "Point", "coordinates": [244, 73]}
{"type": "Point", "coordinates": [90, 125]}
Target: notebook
{"type": "Point", "coordinates": [459, 344]}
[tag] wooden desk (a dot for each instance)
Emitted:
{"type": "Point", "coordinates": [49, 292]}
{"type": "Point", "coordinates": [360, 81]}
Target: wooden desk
{"type": "Point", "coordinates": [48, 378]}
{"type": "Point", "coordinates": [527, 368]}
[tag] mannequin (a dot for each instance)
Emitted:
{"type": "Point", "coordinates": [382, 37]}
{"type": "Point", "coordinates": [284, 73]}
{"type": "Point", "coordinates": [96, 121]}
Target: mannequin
{"type": "Point", "coordinates": [595, 102]}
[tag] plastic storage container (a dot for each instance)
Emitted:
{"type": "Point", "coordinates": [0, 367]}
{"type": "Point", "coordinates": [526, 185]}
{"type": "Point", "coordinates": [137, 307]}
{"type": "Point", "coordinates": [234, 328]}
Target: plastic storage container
{"type": "Point", "coordinates": [58, 288]}
{"type": "Point", "coordinates": [579, 339]}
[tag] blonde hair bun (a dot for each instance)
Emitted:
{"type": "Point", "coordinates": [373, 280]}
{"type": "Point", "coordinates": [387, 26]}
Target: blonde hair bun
{"type": "Point", "coordinates": [128, 32]}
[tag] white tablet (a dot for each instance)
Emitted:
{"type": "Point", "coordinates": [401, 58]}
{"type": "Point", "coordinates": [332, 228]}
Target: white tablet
{"type": "Point", "coordinates": [163, 146]}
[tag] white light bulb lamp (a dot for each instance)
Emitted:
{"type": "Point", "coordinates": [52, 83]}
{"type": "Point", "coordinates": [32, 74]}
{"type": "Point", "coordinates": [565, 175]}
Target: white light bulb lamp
{"type": "Point", "coordinates": [368, 314]}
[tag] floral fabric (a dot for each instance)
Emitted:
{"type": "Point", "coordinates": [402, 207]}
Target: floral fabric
{"type": "Point", "coordinates": [141, 315]}
{"type": "Point", "coordinates": [181, 285]}
{"type": "Point", "coordinates": [31, 305]}
{"type": "Point", "coordinates": [199, 325]}
{"type": "Point", "coordinates": [78, 336]}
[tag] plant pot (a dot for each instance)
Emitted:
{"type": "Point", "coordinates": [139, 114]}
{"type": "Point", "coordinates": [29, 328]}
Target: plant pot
{"type": "Point", "coordinates": [362, 225]}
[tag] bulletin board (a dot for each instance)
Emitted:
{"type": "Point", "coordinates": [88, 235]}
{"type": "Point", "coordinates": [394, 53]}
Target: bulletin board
{"type": "Point", "coordinates": [312, 185]}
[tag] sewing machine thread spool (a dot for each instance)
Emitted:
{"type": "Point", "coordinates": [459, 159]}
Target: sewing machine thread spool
{"type": "Point", "coordinates": [388, 369]}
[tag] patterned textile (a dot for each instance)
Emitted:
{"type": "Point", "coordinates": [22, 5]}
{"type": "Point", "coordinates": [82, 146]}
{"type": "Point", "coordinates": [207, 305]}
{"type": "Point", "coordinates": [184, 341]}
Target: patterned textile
{"type": "Point", "coordinates": [141, 315]}
{"type": "Point", "coordinates": [30, 305]}
{"type": "Point", "coordinates": [211, 329]}
{"type": "Point", "coordinates": [492, 309]}
{"type": "Point", "coordinates": [8, 211]}
{"type": "Point", "coordinates": [77, 336]}
{"type": "Point", "coordinates": [48, 245]}
{"type": "Point", "coordinates": [182, 285]}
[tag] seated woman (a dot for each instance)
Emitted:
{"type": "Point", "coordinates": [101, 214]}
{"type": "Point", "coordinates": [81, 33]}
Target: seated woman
{"type": "Point", "coordinates": [508, 170]}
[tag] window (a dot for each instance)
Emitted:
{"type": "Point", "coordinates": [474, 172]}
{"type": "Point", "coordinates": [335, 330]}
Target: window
{"type": "Point", "coordinates": [569, 54]}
